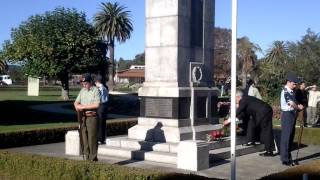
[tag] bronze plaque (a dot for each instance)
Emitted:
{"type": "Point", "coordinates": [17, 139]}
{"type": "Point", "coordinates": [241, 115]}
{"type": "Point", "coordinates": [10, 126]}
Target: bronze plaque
{"type": "Point", "coordinates": [158, 107]}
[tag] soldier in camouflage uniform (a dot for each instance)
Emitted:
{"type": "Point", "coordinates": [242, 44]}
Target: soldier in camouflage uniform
{"type": "Point", "coordinates": [87, 103]}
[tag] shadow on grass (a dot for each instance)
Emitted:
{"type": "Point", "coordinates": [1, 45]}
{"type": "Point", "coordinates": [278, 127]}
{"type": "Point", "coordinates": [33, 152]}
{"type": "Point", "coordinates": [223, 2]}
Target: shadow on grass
{"type": "Point", "coordinates": [17, 112]}
{"type": "Point", "coordinates": [120, 104]}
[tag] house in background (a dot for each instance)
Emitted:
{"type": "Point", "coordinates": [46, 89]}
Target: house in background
{"type": "Point", "coordinates": [135, 74]}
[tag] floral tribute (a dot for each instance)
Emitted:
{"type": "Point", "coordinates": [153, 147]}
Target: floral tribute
{"type": "Point", "coordinates": [217, 135]}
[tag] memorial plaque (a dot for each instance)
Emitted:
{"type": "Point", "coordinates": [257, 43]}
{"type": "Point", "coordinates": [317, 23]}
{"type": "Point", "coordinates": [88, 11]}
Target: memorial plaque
{"type": "Point", "coordinates": [158, 107]}
{"type": "Point", "coordinates": [33, 86]}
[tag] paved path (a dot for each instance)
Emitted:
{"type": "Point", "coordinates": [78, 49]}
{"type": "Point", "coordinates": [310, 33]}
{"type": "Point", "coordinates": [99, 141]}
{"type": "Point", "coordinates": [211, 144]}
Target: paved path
{"type": "Point", "coordinates": [250, 166]}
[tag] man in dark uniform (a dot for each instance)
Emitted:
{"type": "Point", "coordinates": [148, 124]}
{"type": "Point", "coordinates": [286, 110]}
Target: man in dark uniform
{"type": "Point", "coordinates": [302, 98]}
{"type": "Point", "coordinates": [261, 113]}
{"type": "Point", "coordinates": [248, 125]}
{"type": "Point", "coordinates": [289, 105]}
{"type": "Point", "coordinates": [87, 103]}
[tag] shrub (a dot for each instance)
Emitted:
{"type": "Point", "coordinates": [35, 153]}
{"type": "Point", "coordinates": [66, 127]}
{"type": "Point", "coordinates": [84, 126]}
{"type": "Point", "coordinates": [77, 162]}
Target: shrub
{"type": "Point", "coordinates": [24, 166]}
{"type": "Point", "coordinates": [33, 137]}
{"type": "Point", "coordinates": [16, 166]}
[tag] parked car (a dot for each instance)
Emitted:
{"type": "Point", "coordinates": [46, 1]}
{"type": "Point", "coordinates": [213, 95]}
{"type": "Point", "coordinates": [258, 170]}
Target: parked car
{"type": "Point", "coordinates": [5, 80]}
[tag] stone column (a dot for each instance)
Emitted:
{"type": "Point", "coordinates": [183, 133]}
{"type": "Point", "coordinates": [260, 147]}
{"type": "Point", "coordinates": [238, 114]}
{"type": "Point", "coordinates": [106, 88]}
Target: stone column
{"type": "Point", "coordinates": [173, 41]}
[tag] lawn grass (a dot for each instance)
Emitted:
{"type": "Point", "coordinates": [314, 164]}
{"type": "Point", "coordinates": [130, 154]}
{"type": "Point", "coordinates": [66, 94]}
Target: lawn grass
{"type": "Point", "coordinates": [44, 95]}
{"type": "Point", "coordinates": [16, 113]}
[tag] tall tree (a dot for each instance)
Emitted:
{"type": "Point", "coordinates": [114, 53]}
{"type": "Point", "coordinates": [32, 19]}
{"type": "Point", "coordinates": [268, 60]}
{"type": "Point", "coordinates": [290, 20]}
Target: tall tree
{"type": "Point", "coordinates": [308, 56]}
{"type": "Point", "coordinates": [278, 56]}
{"type": "Point", "coordinates": [246, 57]}
{"type": "Point", "coordinates": [55, 44]}
{"type": "Point", "coordinates": [113, 23]}
{"type": "Point", "coordinates": [222, 53]}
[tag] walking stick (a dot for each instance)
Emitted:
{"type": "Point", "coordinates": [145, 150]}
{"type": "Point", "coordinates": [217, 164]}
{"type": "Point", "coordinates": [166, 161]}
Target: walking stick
{"type": "Point", "coordinates": [79, 118]}
{"type": "Point", "coordinates": [300, 134]}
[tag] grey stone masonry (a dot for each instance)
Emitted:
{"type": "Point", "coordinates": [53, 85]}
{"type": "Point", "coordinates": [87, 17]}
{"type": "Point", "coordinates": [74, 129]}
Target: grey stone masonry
{"type": "Point", "coordinates": [175, 40]}
{"type": "Point", "coordinates": [169, 48]}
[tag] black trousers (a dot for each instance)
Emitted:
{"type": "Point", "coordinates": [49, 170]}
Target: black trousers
{"type": "Point", "coordinates": [253, 131]}
{"type": "Point", "coordinates": [288, 123]}
{"type": "Point", "coordinates": [265, 122]}
{"type": "Point", "coordinates": [102, 113]}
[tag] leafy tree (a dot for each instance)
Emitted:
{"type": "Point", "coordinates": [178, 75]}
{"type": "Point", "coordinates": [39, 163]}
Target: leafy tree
{"type": "Point", "coordinates": [113, 23]}
{"type": "Point", "coordinates": [139, 59]}
{"type": "Point", "coordinates": [246, 57]}
{"type": "Point", "coordinates": [308, 56]}
{"type": "Point", "coordinates": [125, 64]}
{"type": "Point", "coordinates": [222, 53]}
{"type": "Point", "coordinates": [55, 44]}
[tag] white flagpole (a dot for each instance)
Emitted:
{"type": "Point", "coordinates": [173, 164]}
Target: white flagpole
{"type": "Point", "coordinates": [233, 88]}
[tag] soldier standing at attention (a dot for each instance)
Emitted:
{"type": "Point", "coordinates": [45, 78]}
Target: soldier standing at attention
{"type": "Point", "coordinates": [289, 106]}
{"type": "Point", "coordinates": [87, 103]}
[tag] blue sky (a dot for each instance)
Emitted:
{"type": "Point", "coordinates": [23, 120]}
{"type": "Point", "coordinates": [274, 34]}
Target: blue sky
{"type": "Point", "coordinates": [263, 21]}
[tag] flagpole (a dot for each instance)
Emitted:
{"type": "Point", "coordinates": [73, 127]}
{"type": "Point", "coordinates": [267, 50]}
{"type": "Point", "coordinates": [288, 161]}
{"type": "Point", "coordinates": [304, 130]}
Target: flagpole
{"type": "Point", "coordinates": [233, 88]}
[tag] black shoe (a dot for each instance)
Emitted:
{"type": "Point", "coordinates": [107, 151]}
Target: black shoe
{"type": "Point", "coordinates": [288, 163]}
{"type": "Point", "coordinates": [267, 154]}
{"type": "Point", "coordinates": [249, 144]}
{"type": "Point", "coordinates": [295, 163]}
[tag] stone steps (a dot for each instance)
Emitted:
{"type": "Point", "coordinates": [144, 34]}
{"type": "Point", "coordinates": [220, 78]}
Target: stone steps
{"type": "Point", "coordinates": [124, 147]}
{"type": "Point", "coordinates": [224, 153]}
{"type": "Point", "coordinates": [127, 143]}
{"type": "Point", "coordinates": [155, 156]}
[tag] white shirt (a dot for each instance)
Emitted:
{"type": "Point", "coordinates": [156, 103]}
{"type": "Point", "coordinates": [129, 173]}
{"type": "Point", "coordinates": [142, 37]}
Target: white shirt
{"type": "Point", "coordinates": [287, 96]}
{"type": "Point", "coordinates": [314, 97]}
{"type": "Point", "coordinates": [253, 91]}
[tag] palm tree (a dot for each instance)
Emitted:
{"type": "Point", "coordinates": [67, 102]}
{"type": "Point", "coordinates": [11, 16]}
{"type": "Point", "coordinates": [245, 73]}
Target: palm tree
{"type": "Point", "coordinates": [3, 67]}
{"type": "Point", "coordinates": [3, 64]}
{"type": "Point", "coordinates": [277, 56]}
{"type": "Point", "coordinates": [247, 57]}
{"type": "Point", "coordinates": [112, 23]}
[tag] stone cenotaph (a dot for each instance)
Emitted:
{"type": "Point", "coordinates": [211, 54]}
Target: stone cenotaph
{"type": "Point", "coordinates": [177, 100]}
{"type": "Point", "coordinates": [175, 52]}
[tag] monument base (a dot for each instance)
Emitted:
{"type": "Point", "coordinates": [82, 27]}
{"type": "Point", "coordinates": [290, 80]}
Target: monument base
{"type": "Point", "coordinates": [193, 155]}
{"type": "Point", "coordinates": [169, 130]}
{"type": "Point", "coordinates": [174, 114]}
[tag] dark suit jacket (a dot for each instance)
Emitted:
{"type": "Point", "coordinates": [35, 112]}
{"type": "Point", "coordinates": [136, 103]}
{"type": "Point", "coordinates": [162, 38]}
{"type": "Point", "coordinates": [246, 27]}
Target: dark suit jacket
{"type": "Point", "coordinates": [302, 97]}
{"type": "Point", "coordinates": [254, 107]}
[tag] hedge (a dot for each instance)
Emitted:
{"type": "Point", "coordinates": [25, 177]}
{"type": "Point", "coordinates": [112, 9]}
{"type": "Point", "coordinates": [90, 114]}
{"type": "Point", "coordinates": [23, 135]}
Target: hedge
{"type": "Point", "coordinates": [26, 166]}
{"type": "Point", "coordinates": [45, 136]}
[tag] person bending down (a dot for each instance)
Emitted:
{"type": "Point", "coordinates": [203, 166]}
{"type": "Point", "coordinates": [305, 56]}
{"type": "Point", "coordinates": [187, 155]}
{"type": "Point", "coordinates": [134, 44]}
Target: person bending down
{"type": "Point", "coordinates": [261, 113]}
